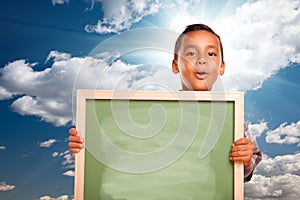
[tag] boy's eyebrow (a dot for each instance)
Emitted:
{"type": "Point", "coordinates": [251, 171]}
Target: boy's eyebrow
{"type": "Point", "coordinates": [191, 46]}
{"type": "Point", "coordinates": [213, 47]}
{"type": "Point", "coordinates": [197, 46]}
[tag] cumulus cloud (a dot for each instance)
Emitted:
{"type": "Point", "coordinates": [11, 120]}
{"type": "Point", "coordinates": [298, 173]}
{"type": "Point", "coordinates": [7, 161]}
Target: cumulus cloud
{"type": "Point", "coordinates": [284, 187]}
{"type": "Point", "coordinates": [59, 2]}
{"type": "Point", "coordinates": [257, 129]}
{"type": "Point", "coordinates": [69, 173]}
{"type": "Point", "coordinates": [49, 94]}
{"type": "Point", "coordinates": [62, 197]}
{"type": "Point", "coordinates": [4, 94]}
{"type": "Point", "coordinates": [275, 178]}
{"type": "Point", "coordinates": [46, 94]}
{"type": "Point", "coordinates": [279, 165]}
{"type": "Point", "coordinates": [2, 148]}
{"type": "Point", "coordinates": [119, 15]}
{"type": "Point", "coordinates": [285, 134]}
{"type": "Point", "coordinates": [58, 56]}
{"type": "Point", "coordinates": [259, 39]}
{"type": "Point", "coordinates": [6, 187]}
{"type": "Point", "coordinates": [47, 143]}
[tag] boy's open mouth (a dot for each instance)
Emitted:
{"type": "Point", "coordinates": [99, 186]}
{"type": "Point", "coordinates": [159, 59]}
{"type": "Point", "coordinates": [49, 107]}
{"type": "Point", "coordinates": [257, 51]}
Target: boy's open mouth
{"type": "Point", "coordinates": [201, 75]}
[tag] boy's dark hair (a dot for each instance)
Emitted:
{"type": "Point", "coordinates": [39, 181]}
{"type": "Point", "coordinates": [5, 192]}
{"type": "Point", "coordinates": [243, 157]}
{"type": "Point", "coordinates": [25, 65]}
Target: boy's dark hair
{"type": "Point", "coordinates": [195, 27]}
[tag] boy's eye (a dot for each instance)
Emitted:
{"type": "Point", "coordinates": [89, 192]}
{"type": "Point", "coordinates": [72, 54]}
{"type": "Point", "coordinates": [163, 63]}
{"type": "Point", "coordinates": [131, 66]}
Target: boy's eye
{"type": "Point", "coordinates": [212, 54]}
{"type": "Point", "coordinates": [191, 53]}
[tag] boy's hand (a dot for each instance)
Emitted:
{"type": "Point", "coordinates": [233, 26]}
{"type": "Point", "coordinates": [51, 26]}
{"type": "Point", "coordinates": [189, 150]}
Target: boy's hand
{"type": "Point", "coordinates": [75, 142]}
{"type": "Point", "coordinates": [242, 150]}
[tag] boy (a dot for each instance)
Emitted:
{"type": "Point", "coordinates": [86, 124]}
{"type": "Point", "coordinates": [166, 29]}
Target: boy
{"type": "Point", "coordinates": [198, 59]}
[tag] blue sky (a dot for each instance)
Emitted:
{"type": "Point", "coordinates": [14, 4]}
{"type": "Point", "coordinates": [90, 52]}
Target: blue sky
{"type": "Point", "coordinates": [45, 44]}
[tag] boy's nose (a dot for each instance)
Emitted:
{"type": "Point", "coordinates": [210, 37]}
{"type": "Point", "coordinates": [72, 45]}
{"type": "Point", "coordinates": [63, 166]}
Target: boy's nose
{"type": "Point", "coordinates": [202, 61]}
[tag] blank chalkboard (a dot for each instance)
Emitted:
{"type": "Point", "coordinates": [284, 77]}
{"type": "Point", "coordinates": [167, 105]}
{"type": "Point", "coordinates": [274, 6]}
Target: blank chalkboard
{"type": "Point", "coordinates": [158, 145]}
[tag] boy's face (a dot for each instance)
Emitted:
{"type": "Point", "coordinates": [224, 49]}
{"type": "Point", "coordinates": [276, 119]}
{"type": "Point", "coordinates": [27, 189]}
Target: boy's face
{"type": "Point", "coordinates": [199, 61]}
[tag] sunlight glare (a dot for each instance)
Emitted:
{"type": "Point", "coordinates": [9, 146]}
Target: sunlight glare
{"type": "Point", "coordinates": [181, 20]}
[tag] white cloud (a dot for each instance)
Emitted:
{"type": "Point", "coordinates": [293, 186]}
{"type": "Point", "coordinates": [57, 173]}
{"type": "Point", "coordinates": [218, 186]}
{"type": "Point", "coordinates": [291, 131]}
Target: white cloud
{"type": "Point", "coordinates": [257, 129]}
{"type": "Point", "coordinates": [54, 154]}
{"type": "Point", "coordinates": [279, 165]}
{"type": "Point", "coordinates": [259, 39]}
{"type": "Point", "coordinates": [58, 56]}
{"type": "Point", "coordinates": [19, 78]}
{"type": "Point", "coordinates": [2, 148]}
{"type": "Point", "coordinates": [275, 178]}
{"type": "Point", "coordinates": [4, 94]}
{"type": "Point", "coordinates": [62, 197]}
{"type": "Point", "coordinates": [5, 187]}
{"type": "Point", "coordinates": [49, 110]}
{"type": "Point", "coordinates": [47, 143]}
{"type": "Point", "coordinates": [64, 153]}
{"type": "Point", "coordinates": [285, 134]}
{"type": "Point", "coordinates": [284, 187]}
{"type": "Point", "coordinates": [60, 2]}
{"type": "Point", "coordinates": [119, 15]}
{"type": "Point", "coordinates": [69, 173]}
{"type": "Point", "coordinates": [48, 94]}
{"type": "Point", "coordinates": [69, 160]}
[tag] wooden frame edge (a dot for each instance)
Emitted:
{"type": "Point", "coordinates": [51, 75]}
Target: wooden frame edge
{"type": "Point", "coordinates": [239, 133]}
{"type": "Point", "coordinates": [83, 95]}
{"type": "Point", "coordinates": [80, 157]}
{"type": "Point", "coordinates": [159, 95]}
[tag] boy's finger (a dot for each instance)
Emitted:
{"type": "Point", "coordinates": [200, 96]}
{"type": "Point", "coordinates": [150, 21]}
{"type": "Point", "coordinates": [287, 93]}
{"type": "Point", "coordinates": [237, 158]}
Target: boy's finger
{"type": "Point", "coordinates": [242, 141]}
{"type": "Point", "coordinates": [241, 154]}
{"type": "Point", "coordinates": [244, 160]}
{"type": "Point", "coordinates": [75, 139]}
{"type": "Point", "coordinates": [239, 158]}
{"type": "Point", "coordinates": [242, 148]}
{"type": "Point", "coordinates": [75, 145]}
{"type": "Point", "coordinates": [74, 150]}
{"type": "Point", "coordinates": [73, 131]}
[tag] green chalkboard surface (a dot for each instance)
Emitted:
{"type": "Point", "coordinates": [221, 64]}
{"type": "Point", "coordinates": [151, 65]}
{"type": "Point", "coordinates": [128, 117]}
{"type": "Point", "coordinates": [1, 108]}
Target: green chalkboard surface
{"type": "Point", "coordinates": [157, 145]}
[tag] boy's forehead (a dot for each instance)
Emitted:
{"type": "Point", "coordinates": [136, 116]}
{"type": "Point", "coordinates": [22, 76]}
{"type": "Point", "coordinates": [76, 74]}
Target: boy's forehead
{"type": "Point", "coordinates": [200, 38]}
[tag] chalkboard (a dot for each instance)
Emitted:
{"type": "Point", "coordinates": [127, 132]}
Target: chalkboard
{"type": "Point", "coordinates": [158, 145]}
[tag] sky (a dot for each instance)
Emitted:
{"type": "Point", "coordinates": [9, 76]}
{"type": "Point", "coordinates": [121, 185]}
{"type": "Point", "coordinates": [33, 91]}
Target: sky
{"type": "Point", "coordinates": [51, 48]}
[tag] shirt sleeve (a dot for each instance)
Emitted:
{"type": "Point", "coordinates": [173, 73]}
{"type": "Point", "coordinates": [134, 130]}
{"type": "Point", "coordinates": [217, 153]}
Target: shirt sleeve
{"type": "Point", "coordinates": [256, 157]}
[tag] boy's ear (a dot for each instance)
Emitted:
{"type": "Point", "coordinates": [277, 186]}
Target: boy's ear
{"type": "Point", "coordinates": [175, 67]}
{"type": "Point", "coordinates": [222, 68]}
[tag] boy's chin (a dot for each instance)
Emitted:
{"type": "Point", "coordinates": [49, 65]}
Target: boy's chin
{"type": "Point", "coordinates": [202, 89]}
{"type": "Point", "coordinates": [197, 88]}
